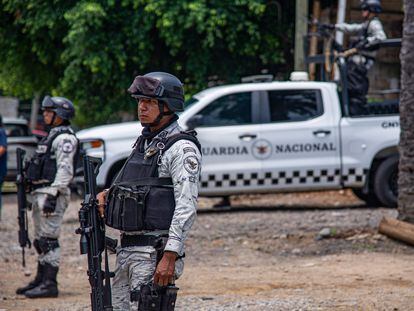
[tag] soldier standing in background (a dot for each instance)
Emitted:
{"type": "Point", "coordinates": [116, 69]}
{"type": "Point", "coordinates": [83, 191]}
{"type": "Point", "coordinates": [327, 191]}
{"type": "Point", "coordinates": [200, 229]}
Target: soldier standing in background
{"type": "Point", "coordinates": [368, 35]}
{"type": "Point", "coordinates": [49, 173]}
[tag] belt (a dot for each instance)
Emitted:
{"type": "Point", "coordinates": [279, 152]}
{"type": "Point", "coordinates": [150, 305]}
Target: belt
{"type": "Point", "coordinates": [140, 240]}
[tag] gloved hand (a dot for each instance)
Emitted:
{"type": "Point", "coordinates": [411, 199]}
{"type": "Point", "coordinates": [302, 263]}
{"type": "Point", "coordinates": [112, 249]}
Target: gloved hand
{"type": "Point", "coordinates": [327, 26]}
{"type": "Point", "coordinates": [50, 204]}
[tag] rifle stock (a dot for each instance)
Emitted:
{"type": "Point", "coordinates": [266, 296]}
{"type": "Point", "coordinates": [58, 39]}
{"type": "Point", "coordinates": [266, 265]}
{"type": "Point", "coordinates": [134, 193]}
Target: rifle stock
{"type": "Point", "coordinates": [92, 239]}
{"type": "Point", "coordinates": [24, 240]}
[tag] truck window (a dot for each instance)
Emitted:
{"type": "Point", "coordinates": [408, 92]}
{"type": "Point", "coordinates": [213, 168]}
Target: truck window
{"type": "Point", "coordinates": [294, 105]}
{"type": "Point", "coordinates": [16, 130]}
{"type": "Point", "coordinates": [233, 109]}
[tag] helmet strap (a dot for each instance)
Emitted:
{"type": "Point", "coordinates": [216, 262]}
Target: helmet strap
{"type": "Point", "coordinates": [160, 115]}
{"type": "Point", "coordinates": [53, 119]}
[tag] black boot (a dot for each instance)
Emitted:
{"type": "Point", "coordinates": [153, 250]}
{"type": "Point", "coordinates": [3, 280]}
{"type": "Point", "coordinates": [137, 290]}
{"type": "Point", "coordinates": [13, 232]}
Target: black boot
{"type": "Point", "coordinates": [38, 279]}
{"type": "Point", "coordinates": [48, 287]}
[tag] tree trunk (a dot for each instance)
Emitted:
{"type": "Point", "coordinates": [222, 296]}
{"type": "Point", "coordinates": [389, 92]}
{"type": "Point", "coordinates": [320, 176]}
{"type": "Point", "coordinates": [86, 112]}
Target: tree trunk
{"type": "Point", "coordinates": [34, 111]}
{"type": "Point", "coordinates": [406, 147]}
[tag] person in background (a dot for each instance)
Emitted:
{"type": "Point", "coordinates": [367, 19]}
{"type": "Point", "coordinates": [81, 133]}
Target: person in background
{"type": "Point", "coordinates": [49, 173]}
{"type": "Point", "coordinates": [3, 156]}
{"type": "Point", "coordinates": [368, 34]}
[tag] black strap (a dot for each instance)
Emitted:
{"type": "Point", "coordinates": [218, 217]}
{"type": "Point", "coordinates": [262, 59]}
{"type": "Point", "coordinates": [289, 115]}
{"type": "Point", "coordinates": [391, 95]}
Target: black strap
{"type": "Point", "coordinates": [148, 181]}
{"type": "Point", "coordinates": [107, 286]}
{"type": "Point", "coordinates": [59, 132]}
{"type": "Point", "coordinates": [186, 135]}
{"type": "Point", "coordinates": [140, 240]}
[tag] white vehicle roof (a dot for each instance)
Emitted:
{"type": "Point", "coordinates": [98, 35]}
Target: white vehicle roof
{"type": "Point", "coordinates": [244, 87]}
{"type": "Point", "coordinates": [14, 120]}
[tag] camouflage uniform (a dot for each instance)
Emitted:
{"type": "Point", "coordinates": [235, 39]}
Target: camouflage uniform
{"type": "Point", "coordinates": [135, 266]}
{"type": "Point", "coordinates": [64, 146]}
{"type": "Point", "coordinates": [372, 31]}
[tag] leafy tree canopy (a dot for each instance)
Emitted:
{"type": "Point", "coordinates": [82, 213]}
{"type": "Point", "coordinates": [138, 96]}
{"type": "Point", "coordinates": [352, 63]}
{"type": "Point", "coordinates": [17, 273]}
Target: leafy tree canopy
{"type": "Point", "coordinates": [90, 51]}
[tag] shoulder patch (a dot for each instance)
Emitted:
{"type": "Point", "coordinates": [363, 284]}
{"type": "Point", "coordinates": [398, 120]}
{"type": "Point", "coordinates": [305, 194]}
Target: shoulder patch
{"type": "Point", "coordinates": [67, 146]}
{"type": "Point", "coordinates": [191, 164]}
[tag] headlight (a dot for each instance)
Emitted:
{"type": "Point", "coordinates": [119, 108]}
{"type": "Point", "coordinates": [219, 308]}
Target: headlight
{"type": "Point", "coordinates": [94, 147]}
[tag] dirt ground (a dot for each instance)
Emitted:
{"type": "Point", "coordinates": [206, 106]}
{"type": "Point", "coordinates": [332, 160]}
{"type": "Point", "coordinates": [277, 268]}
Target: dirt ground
{"type": "Point", "coordinates": [266, 253]}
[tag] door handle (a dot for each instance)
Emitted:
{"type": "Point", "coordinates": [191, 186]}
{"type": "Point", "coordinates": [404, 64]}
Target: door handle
{"type": "Point", "coordinates": [321, 133]}
{"type": "Point", "coordinates": [247, 137]}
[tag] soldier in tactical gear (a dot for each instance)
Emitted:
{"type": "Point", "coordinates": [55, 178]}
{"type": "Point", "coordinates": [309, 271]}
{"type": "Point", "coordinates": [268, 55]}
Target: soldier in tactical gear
{"type": "Point", "coordinates": [49, 173]}
{"type": "Point", "coordinates": [369, 33]}
{"type": "Point", "coordinates": [153, 198]}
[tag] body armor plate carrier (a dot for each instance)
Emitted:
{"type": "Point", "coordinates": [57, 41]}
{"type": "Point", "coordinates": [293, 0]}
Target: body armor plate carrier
{"type": "Point", "coordinates": [139, 199]}
{"type": "Point", "coordinates": [42, 168]}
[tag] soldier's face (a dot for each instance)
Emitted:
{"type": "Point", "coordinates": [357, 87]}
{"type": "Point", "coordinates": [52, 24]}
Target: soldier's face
{"type": "Point", "coordinates": [48, 116]}
{"type": "Point", "coordinates": [365, 14]}
{"type": "Point", "coordinates": [148, 110]}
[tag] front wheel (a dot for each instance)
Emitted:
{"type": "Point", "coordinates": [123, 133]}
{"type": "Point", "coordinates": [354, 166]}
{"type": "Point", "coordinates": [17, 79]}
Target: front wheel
{"type": "Point", "coordinates": [386, 181]}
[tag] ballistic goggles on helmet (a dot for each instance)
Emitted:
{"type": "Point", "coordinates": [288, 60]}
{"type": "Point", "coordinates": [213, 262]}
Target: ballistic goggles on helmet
{"type": "Point", "coordinates": [146, 87]}
{"type": "Point", "coordinates": [48, 103]}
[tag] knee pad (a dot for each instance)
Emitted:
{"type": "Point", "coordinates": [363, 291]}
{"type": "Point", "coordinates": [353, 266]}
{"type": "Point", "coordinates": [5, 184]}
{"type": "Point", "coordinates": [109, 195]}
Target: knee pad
{"type": "Point", "coordinates": [47, 244]}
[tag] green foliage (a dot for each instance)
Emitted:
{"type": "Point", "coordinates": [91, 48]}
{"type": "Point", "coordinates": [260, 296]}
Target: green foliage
{"type": "Point", "coordinates": [90, 51]}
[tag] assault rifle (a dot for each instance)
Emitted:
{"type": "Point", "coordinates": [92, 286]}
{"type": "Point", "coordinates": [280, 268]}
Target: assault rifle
{"type": "Point", "coordinates": [22, 204]}
{"type": "Point", "coordinates": [92, 240]}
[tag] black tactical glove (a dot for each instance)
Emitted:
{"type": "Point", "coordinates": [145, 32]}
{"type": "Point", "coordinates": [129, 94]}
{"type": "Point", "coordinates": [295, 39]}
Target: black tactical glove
{"type": "Point", "coordinates": [327, 26]}
{"type": "Point", "coordinates": [50, 204]}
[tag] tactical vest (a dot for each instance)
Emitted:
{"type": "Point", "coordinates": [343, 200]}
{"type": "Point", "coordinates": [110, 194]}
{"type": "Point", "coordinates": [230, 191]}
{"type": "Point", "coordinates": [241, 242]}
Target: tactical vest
{"type": "Point", "coordinates": [139, 199]}
{"type": "Point", "coordinates": [42, 167]}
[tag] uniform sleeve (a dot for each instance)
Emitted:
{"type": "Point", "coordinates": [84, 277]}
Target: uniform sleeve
{"type": "Point", "coordinates": [376, 32]}
{"type": "Point", "coordinates": [65, 147]}
{"type": "Point", "coordinates": [349, 28]}
{"type": "Point", "coordinates": [183, 163]}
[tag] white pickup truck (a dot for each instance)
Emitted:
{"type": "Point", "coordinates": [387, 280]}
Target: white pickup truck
{"type": "Point", "coordinates": [274, 137]}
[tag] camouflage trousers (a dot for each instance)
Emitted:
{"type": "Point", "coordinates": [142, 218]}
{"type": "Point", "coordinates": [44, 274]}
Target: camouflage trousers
{"type": "Point", "coordinates": [135, 266]}
{"type": "Point", "coordinates": [48, 226]}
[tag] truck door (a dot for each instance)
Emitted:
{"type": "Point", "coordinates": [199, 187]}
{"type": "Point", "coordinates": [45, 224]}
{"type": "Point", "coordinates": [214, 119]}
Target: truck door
{"type": "Point", "coordinates": [227, 128]}
{"type": "Point", "coordinates": [302, 139]}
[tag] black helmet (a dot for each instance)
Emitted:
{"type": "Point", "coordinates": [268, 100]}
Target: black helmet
{"type": "Point", "coordinates": [159, 85]}
{"type": "Point", "coordinates": [373, 6]}
{"type": "Point", "coordinates": [62, 106]}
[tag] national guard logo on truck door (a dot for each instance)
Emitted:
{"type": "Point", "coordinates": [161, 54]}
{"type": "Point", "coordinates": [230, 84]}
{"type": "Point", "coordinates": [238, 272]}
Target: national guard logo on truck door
{"type": "Point", "coordinates": [262, 149]}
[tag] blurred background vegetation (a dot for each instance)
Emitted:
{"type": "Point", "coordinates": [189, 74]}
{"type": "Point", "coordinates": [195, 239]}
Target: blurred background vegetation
{"type": "Point", "coordinates": [90, 51]}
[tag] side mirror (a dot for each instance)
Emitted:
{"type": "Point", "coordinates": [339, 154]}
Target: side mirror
{"type": "Point", "coordinates": [195, 121]}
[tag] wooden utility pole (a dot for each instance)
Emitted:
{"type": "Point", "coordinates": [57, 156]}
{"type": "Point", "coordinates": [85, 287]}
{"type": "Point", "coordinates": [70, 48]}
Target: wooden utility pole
{"type": "Point", "coordinates": [313, 49]}
{"type": "Point", "coordinates": [301, 29]}
{"type": "Point", "coordinates": [34, 111]}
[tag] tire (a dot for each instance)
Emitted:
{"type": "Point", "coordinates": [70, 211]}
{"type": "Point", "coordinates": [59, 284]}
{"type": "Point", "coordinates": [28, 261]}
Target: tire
{"type": "Point", "coordinates": [386, 181]}
{"type": "Point", "coordinates": [369, 198]}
